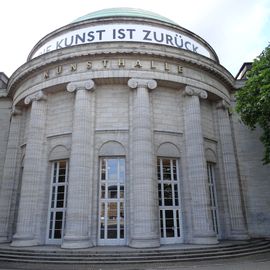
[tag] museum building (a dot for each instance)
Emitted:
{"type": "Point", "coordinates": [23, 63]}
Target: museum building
{"type": "Point", "coordinates": [120, 130]}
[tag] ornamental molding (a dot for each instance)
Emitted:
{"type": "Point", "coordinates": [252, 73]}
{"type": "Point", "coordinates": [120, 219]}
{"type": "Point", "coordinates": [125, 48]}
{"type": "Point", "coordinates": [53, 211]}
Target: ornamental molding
{"type": "Point", "coordinates": [142, 83]}
{"type": "Point", "coordinates": [38, 96]}
{"type": "Point", "coordinates": [190, 91]}
{"type": "Point", "coordinates": [81, 85]}
{"type": "Point", "coordinates": [24, 71]}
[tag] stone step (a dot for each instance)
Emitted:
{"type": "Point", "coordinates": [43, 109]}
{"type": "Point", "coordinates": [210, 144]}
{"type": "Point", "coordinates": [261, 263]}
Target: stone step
{"type": "Point", "coordinates": [91, 252]}
{"type": "Point", "coordinates": [135, 257]}
{"type": "Point", "coordinates": [110, 262]}
{"type": "Point", "coordinates": [134, 254]}
{"type": "Point", "coordinates": [53, 250]}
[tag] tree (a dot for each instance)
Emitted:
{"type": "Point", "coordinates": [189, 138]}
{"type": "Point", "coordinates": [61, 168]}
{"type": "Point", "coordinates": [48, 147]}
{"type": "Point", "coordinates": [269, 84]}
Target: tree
{"type": "Point", "coordinates": [253, 100]}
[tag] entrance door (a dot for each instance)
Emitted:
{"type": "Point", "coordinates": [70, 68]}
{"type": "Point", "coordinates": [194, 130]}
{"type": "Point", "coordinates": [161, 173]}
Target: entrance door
{"type": "Point", "coordinates": [213, 197]}
{"type": "Point", "coordinates": [169, 203]}
{"type": "Point", "coordinates": [112, 201]}
{"type": "Point", "coordinates": [58, 196]}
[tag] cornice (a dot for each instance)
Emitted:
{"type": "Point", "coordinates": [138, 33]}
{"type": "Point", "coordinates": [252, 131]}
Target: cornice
{"type": "Point", "coordinates": [59, 57]}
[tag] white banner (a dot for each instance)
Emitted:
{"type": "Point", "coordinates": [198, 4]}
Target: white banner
{"type": "Point", "coordinates": [125, 33]}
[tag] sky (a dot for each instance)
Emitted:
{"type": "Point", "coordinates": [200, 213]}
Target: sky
{"type": "Point", "coordinates": [238, 30]}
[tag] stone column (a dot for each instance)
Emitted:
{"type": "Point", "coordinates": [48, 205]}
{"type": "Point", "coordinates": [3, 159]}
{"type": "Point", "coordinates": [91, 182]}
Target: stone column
{"type": "Point", "coordinates": [144, 204]}
{"type": "Point", "coordinates": [203, 232]}
{"type": "Point", "coordinates": [9, 174]}
{"type": "Point", "coordinates": [237, 221]}
{"type": "Point", "coordinates": [79, 207]}
{"type": "Point", "coordinates": [29, 199]}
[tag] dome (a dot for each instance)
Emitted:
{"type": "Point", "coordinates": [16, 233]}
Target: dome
{"type": "Point", "coordinates": [124, 12]}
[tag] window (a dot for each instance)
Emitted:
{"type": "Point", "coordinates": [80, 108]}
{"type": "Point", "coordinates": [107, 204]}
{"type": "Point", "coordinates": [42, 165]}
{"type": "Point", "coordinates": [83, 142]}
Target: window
{"type": "Point", "coordinates": [58, 195]}
{"type": "Point", "coordinates": [112, 201]}
{"type": "Point", "coordinates": [169, 203]}
{"type": "Point", "coordinates": [213, 195]}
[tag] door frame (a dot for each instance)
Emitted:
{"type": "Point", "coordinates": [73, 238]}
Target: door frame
{"type": "Point", "coordinates": [106, 201]}
{"type": "Point", "coordinates": [177, 205]}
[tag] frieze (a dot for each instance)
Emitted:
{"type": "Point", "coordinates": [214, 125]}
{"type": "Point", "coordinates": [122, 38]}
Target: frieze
{"type": "Point", "coordinates": [113, 64]}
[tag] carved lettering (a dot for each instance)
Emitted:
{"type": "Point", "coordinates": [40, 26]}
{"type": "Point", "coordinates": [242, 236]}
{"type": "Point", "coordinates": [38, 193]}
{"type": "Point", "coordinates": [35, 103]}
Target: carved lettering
{"type": "Point", "coordinates": [121, 63]}
{"type": "Point", "coordinates": [46, 74]}
{"type": "Point", "coordinates": [89, 65]}
{"type": "Point", "coordinates": [138, 64]}
{"type": "Point", "coordinates": [105, 63]}
{"type": "Point", "coordinates": [166, 66]}
{"type": "Point", "coordinates": [59, 69]}
{"type": "Point", "coordinates": [180, 69]}
{"type": "Point", "coordinates": [73, 67]}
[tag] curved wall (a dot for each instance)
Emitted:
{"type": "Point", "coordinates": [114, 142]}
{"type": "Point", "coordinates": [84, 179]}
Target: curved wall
{"type": "Point", "coordinates": [150, 118]}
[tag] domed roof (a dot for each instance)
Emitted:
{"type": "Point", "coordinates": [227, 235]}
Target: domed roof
{"type": "Point", "coordinates": [124, 12]}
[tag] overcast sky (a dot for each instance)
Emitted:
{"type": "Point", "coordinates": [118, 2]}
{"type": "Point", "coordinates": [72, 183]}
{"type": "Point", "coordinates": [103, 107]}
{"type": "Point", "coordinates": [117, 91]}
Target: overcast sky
{"type": "Point", "coordinates": [238, 30]}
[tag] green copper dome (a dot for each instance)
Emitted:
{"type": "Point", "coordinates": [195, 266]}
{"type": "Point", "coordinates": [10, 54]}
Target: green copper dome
{"type": "Point", "coordinates": [124, 12]}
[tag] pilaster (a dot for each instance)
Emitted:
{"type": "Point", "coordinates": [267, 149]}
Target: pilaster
{"type": "Point", "coordinates": [203, 232]}
{"type": "Point", "coordinates": [144, 204]}
{"type": "Point", "coordinates": [9, 174]}
{"type": "Point", "coordinates": [79, 205]}
{"type": "Point", "coordinates": [237, 221]}
{"type": "Point", "coordinates": [32, 174]}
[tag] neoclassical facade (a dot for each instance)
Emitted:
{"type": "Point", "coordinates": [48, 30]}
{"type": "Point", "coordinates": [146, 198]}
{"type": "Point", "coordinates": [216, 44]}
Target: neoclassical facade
{"type": "Point", "coordinates": [120, 130]}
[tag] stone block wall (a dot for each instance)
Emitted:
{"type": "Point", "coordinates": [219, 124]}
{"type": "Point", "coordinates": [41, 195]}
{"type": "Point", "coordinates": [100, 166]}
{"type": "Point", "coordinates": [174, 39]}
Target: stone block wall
{"type": "Point", "coordinates": [112, 103]}
{"type": "Point", "coordinates": [207, 119]}
{"type": "Point", "coordinates": [60, 113]}
{"type": "Point", "coordinates": [255, 178]}
{"type": "Point", "coordinates": [167, 109]}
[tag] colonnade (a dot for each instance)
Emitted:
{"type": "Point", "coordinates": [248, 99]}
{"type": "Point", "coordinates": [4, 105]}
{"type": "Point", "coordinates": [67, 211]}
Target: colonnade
{"type": "Point", "coordinates": [144, 231]}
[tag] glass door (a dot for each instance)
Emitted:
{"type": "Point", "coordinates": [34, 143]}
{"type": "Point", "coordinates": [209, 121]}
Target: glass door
{"type": "Point", "coordinates": [112, 201]}
{"type": "Point", "coordinates": [169, 202]}
{"type": "Point", "coordinates": [58, 197]}
{"type": "Point", "coordinates": [213, 196]}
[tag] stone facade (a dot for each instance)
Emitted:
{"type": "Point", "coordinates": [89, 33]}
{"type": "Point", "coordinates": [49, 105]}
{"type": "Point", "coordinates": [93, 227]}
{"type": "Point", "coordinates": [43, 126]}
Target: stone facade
{"type": "Point", "coordinates": [155, 121]}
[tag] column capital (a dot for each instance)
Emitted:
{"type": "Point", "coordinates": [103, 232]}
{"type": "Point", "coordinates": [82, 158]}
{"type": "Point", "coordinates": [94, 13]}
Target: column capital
{"type": "Point", "coordinates": [35, 97]}
{"type": "Point", "coordinates": [81, 85]}
{"type": "Point", "coordinates": [144, 83]}
{"type": "Point", "coordinates": [223, 105]}
{"type": "Point", "coordinates": [190, 91]}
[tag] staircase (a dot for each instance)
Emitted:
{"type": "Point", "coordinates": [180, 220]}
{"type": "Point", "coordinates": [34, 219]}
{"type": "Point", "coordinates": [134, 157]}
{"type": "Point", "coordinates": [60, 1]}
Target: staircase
{"type": "Point", "coordinates": [125, 255]}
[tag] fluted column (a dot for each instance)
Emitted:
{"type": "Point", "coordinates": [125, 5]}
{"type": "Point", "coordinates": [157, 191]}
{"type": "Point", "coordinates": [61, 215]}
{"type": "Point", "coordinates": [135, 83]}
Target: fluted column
{"type": "Point", "coordinates": [203, 232]}
{"type": "Point", "coordinates": [32, 174]}
{"type": "Point", "coordinates": [237, 221]}
{"type": "Point", "coordinates": [144, 204]}
{"type": "Point", "coordinates": [77, 233]}
{"type": "Point", "coordinates": [9, 174]}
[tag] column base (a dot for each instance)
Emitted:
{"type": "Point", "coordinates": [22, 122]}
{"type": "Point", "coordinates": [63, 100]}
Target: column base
{"type": "Point", "coordinates": [238, 235]}
{"type": "Point", "coordinates": [76, 242]}
{"type": "Point", "coordinates": [145, 243]}
{"type": "Point", "coordinates": [200, 240]}
{"type": "Point", "coordinates": [24, 241]}
{"type": "Point", "coordinates": [4, 239]}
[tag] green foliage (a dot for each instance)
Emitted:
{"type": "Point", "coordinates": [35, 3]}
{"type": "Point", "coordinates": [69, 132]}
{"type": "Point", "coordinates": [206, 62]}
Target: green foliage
{"type": "Point", "coordinates": [253, 100]}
